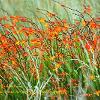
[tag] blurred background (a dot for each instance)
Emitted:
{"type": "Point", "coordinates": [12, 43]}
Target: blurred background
{"type": "Point", "coordinates": [29, 7]}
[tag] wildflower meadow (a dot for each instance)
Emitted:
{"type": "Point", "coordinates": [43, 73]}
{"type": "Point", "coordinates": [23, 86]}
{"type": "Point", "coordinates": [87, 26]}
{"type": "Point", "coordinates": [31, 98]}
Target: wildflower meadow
{"type": "Point", "coordinates": [52, 54]}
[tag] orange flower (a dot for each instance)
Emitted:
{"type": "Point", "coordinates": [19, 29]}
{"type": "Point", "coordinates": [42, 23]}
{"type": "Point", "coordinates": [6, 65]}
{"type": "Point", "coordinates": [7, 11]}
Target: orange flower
{"type": "Point", "coordinates": [91, 77]}
{"type": "Point", "coordinates": [87, 46]}
{"type": "Point", "coordinates": [41, 67]}
{"type": "Point", "coordinates": [95, 42]}
{"type": "Point", "coordinates": [51, 14]}
{"type": "Point", "coordinates": [23, 19]}
{"type": "Point", "coordinates": [93, 24]}
{"type": "Point", "coordinates": [37, 42]}
{"type": "Point", "coordinates": [34, 41]}
{"type": "Point", "coordinates": [46, 25]}
{"type": "Point", "coordinates": [62, 74]}
{"type": "Point", "coordinates": [42, 20]}
{"type": "Point", "coordinates": [4, 45]}
{"type": "Point", "coordinates": [87, 9]}
{"type": "Point", "coordinates": [62, 91]}
{"type": "Point", "coordinates": [58, 29]}
{"type": "Point", "coordinates": [87, 94]}
{"type": "Point", "coordinates": [25, 54]}
{"type": "Point", "coordinates": [3, 38]}
{"type": "Point", "coordinates": [4, 17]}
{"type": "Point", "coordinates": [52, 58]}
{"type": "Point", "coordinates": [64, 28]}
{"type": "Point", "coordinates": [0, 81]}
{"type": "Point", "coordinates": [17, 42]}
{"type": "Point", "coordinates": [27, 31]}
{"type": "Point", "coordinates": [83, 22]}
{"type": "Point", "coordinates": [97, 92]}
{"type": "Point", "coordinates": [58, 65]}
{"type": "Point", "coordinates": [6, 26]}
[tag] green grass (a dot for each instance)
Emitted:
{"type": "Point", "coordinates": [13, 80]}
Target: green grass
{"type": "Point", "coordinates": [44, 57]}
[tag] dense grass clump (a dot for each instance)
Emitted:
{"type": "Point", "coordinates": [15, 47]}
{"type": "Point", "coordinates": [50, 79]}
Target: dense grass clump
{"type": "Point", "coordinates": [50, 57]}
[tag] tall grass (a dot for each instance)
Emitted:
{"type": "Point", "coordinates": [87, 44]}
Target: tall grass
{"type": "Point", "coordinates": [46, 54]}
